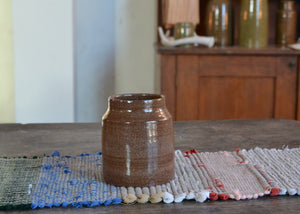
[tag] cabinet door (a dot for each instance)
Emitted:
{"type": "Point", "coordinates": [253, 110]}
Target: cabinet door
{"type": "Point", "coordinates": [235, 87]}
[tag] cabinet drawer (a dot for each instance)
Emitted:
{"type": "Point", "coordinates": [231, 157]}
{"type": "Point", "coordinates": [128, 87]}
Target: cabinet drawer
{"type": "Point", "coordinates": [237, 66]}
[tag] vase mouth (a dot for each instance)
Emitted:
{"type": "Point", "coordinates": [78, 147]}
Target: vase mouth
{"type": "Point", "coordinates": [136, 97]}
{"type": "Point", "coordinates": [136, 101]}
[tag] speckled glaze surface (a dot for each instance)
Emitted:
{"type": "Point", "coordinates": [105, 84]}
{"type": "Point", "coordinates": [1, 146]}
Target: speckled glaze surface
{"type": "Point", "coordinates": [219, 21]}
{"type": "Point", "coordinates": [137, 141]}
{"type": "Point", "coordinates": [254, 19]}
{"type": "Point", "coordinates": [286, 23]}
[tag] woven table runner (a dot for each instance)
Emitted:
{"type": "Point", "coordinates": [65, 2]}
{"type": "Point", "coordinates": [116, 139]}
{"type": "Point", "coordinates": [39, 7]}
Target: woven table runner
{"type": "Point", "coordinates": [77, 181]}
{"type": "Point", "coordinates": [18, 176]}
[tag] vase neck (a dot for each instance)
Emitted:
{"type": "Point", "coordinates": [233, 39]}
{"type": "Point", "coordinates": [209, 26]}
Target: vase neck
{"type": "Point", "coordinates": [136, 101]}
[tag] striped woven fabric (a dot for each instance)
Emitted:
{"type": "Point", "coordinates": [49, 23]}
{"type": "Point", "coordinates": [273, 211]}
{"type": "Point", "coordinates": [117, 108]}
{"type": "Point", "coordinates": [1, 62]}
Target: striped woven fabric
{"type": "Point", "coordinates": [77, 181]}
{"type": "Point", "coordinates": [18, 177]}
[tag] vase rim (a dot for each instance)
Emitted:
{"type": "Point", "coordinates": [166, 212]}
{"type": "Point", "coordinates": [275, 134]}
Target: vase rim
{"type": "Point", "coordinates": [184, 24]}
{"type": "Point", "coordinates": [136, 97]}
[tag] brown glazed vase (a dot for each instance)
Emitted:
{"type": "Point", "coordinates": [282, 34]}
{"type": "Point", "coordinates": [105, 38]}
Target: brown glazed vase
{"type": "Point", "coordinates": [137, 141]}
{"type": "Point", "coordinates": [286, 23]}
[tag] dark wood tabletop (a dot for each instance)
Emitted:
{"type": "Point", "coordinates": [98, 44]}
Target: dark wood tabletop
{"type": "Point", "coordinates": [72, 139]}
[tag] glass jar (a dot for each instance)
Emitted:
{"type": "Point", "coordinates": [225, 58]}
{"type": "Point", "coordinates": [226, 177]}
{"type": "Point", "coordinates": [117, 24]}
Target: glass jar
{"type": "Point", "coordinates": [184, 30]}
{"type": "Point", "coordinates": [219, 21]}
{"type": "Point", "coordinates": [254, 26]}
{"type": "Point", "coordinates": [286, 23]}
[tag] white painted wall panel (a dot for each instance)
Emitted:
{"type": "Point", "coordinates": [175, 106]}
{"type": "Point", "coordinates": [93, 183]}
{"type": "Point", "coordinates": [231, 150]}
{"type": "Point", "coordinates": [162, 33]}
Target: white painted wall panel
{"type": "Point", "coordinates": [94, 57]}
{"type": "Point", "coordinates": [7, 101]}
{"type": "Point", "coordinates": [43, 60]}
{"type": "Point", "coordinates": [135, 37]}
{"type": "Point", "coordinates": [70, 55]}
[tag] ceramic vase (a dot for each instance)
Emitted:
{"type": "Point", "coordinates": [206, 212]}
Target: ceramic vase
{"type": "Point", "coordinates": [219, 21]}
{"type": "Point", "coordinates": [254, 24]}
{"type": "Point", "coordinates": [137, 141]}
{"type": "Point", "coordinates": [286, 23]}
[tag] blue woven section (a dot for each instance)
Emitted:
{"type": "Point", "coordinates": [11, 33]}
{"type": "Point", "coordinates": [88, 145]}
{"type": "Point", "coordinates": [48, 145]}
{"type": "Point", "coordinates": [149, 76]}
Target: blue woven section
{"type": "Point", "coordinates": [73, 181]}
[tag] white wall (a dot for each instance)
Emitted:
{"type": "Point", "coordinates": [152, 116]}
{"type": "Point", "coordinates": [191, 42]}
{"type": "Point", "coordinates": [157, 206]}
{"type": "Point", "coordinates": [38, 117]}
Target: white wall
{"type": "Point", "coordinates": [135, 37]}
{"type": "Point", "coordinates": [43, 60]}
{"type": "Point", "coordinates": [7, 101]}
{"type": "Point", "coordinates": [70, 55]}
{"type": "Point", "coordinates": [94, 57]}
{"type": "Point", "coordinates": [114, 52]}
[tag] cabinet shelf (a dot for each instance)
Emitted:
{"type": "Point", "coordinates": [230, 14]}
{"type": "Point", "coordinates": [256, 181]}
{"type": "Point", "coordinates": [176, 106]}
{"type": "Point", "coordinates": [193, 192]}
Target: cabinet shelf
{"type": "Point", "coordinates": [230, 50]}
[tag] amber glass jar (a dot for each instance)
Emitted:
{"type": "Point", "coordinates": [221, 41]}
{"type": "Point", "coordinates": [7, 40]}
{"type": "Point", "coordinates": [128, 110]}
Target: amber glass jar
{"type": "Point", "coordinates": [219, 21]}
{"type": "Point", "coordinates": [137, 141]}
{"type": "Point", "coordinates": [286, 23]}
{"type": "Point", "coordinates": [184, 30]}
{"type": "Point", "coordinates": [254, 26]}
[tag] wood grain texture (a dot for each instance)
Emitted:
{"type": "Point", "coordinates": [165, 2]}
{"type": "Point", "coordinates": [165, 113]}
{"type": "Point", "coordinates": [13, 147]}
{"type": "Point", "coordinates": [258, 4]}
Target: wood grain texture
{"type": "Point", "coordinates": [37, 139]}
{"type": "Point", "coordinates": [187, 87]}
{"type": "Point", "coordinates": [40, 139]}
{"type": "Point", "coordinates": [75, 138]}
{"type": "Point", "coordinates": [168, 82]}
{"type": "Point", "coordinates": [243, 66]}
{"type": "Point", "coordinates": [235, 97]}
{"type": "Point", "coordinates": [215, 87]}
{"type": "Point", "coordinates": [286, 88]}
{"type": "Point", "coordinates": [262, 205]}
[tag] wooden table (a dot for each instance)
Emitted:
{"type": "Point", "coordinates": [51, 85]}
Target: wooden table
{"type": "Point", "coordinates": [40, 139]}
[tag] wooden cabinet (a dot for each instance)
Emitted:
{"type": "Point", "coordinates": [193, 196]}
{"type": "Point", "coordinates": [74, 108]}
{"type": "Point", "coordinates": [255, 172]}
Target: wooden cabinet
{"type": "Point", "coordinates": [231, 83]}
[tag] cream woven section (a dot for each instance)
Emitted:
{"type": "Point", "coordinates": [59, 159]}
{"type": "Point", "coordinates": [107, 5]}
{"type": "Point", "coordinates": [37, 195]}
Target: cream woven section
{"type": "Point", "coordinates": [230, 175]}
{"type": "Point", "coordinates": [281, 168]}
